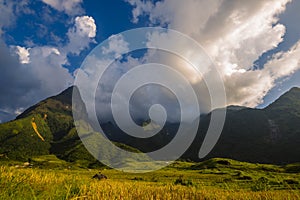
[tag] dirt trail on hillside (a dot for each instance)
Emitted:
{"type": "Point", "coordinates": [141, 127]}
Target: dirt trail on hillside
{"type": "Point", "coordinates": [34, 126]}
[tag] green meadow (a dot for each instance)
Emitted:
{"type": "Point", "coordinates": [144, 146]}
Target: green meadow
{"type": "Point", "coordinates": [50, 178]}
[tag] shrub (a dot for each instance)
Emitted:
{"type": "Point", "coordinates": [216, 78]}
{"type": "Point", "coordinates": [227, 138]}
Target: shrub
{"type": "Point", "coordinates": [262, 184]}
{"type": "Point", "coordinates": [181, 181]}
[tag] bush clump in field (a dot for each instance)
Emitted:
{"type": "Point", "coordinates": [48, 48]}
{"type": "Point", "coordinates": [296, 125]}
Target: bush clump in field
{"type": "Point", "coordinates": [291, 182]}
{"type": "Point", "coordinates": [262, 184]}
{"type": "Point", "coordinates": [181, 181]}
{"type": "Point", "coordinates": [242, 176]}
{"type": "Point", "coordinates": [293, 168]}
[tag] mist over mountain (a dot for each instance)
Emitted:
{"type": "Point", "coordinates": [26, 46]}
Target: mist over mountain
{"type": "Point", "coordinates": [269, 135]}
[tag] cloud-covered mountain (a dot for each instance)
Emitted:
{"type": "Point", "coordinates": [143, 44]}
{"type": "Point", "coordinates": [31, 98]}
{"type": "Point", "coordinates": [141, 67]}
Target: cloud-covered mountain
{"type": "Point", "coordinates": [269, 135]}
{"type": "Point", "coordinates": [255, 45]}
{"type": "Point", "coordinates": [40, 66]}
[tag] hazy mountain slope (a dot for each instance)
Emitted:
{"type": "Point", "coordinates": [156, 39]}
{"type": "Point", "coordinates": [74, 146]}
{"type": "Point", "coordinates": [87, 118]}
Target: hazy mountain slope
{"type": "Point", "coordinates": [270, 135]}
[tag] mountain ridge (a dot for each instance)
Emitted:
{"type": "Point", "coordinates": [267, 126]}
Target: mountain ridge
{"type": "Point", "coordinates": [268, 135]}
{"type": "Point", "coordinates": [48, 128]}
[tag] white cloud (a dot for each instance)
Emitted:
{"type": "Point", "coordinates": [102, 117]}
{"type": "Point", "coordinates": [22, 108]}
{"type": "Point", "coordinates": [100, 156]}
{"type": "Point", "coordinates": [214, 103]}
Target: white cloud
{"type": "Point", "coordinates": [235, 34]}
{"type": "Point", "coordinates": [81, 34]}
{"type": "Point", "coordinates": [85, 26]}
{"type": "Point", "coordinates": [47, 66]}
{"type": "Point", "coordinates": [139, 8]}
{"type": "Point", "coordinates": [29, 75]}
{"type": "Point", "coordinates": [19, 111]}
{"type": "Point", "coordinates": [6, 14]}
{"type": "Point", "coordinates": [250, 88]}
{"type": "Point", "coordinates": [70, 7]}
{"type": "Point", "coordinates": [24, 85]}
{"type": "Point", "coordinates": [23, 54]}
{"type": "Point", "coordinates": [284, 63]}
{"type": "Point", "coordinates": [116, 45]}
{"type": "Point", "coordinates": [39, 72]}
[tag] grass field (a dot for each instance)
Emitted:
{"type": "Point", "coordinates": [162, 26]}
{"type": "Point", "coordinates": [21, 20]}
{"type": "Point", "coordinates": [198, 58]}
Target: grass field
{"type": "Point", "coordinates": [212, 179]}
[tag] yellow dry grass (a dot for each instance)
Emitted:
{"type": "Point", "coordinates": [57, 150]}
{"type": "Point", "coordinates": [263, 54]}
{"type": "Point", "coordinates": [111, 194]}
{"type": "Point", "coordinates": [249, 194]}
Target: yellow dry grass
{"type": "Point", "coordinates": [77, 184]}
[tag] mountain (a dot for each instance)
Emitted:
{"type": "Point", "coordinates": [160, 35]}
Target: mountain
{"type": "Point", "coordinates": [270, 135]}
{"type": "Point", "coordinates": [145, 145]}
{"type": "Point", "coordinates": [45, 128]}
{"type": "Point", "coordinates": [48, 128]}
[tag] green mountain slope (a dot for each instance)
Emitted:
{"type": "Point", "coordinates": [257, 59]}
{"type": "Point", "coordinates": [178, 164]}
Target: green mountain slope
{"type": "Point", "coordinates": [48, 128]}
{"type": "Point", "coordinates": [17, 138]}
{"type": "Point", "coordinates": [270, 135]}
{"type": "Point", "coordinates": [57, 111]}
{"type": "Point", "coordinates": [54, 123]}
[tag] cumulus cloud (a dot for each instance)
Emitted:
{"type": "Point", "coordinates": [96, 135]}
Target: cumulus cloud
{"type": "Point", "coordinates": [23, 54]}
{"type": "Point", "coordinates": [247, 85]}
{"type": "Point", "coordinates": [25, 83]}
{"type": "Point", "coordinates": [117, 46]}
{"type": "Point", "coordinates": [29, 75]}
{"type": "Point", "coordinates": [70, 7]}
{"type": "Point", "coordinates": [235, 34]}
{"type": "Point", "coordinates": [81, 34]}
{"type": "Point", "coordinates": [85, 26]}
{"type": "Point", "coordinates": [284, 63]}
{"type": "Point", "coordinates": [47, 66]}
{"type": "Point", "coordinates": [142, 99]}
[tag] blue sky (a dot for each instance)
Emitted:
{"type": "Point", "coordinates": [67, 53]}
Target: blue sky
{"type": "Point", "coordinates": [290, 19]}
{"type": "Point", "coordinates": [44, 42]}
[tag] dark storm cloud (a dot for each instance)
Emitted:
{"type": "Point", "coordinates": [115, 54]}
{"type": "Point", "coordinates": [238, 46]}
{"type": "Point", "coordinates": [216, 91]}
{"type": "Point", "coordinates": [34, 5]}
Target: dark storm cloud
{"type": "Point", "coordinates": [15, 84]}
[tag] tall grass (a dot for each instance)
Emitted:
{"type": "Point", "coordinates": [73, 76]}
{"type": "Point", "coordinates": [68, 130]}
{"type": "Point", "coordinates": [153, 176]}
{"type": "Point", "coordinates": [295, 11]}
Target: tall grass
{"type": "Point", "coordinates": [21, 183]}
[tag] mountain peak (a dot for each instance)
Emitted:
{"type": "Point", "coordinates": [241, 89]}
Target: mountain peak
{"type": "Point", "coordinates": [290, 98]}
{"type": "Point", "coordinates": [59, 102]}
{"type": "Point", "coordinates": [294, 89]}
{"type": "Point", "coordinates": [65, 96]}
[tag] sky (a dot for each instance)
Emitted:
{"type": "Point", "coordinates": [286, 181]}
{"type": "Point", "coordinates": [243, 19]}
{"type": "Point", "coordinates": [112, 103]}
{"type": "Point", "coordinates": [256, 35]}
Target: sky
{"type": "Point", "coordinates": [255, 45]}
